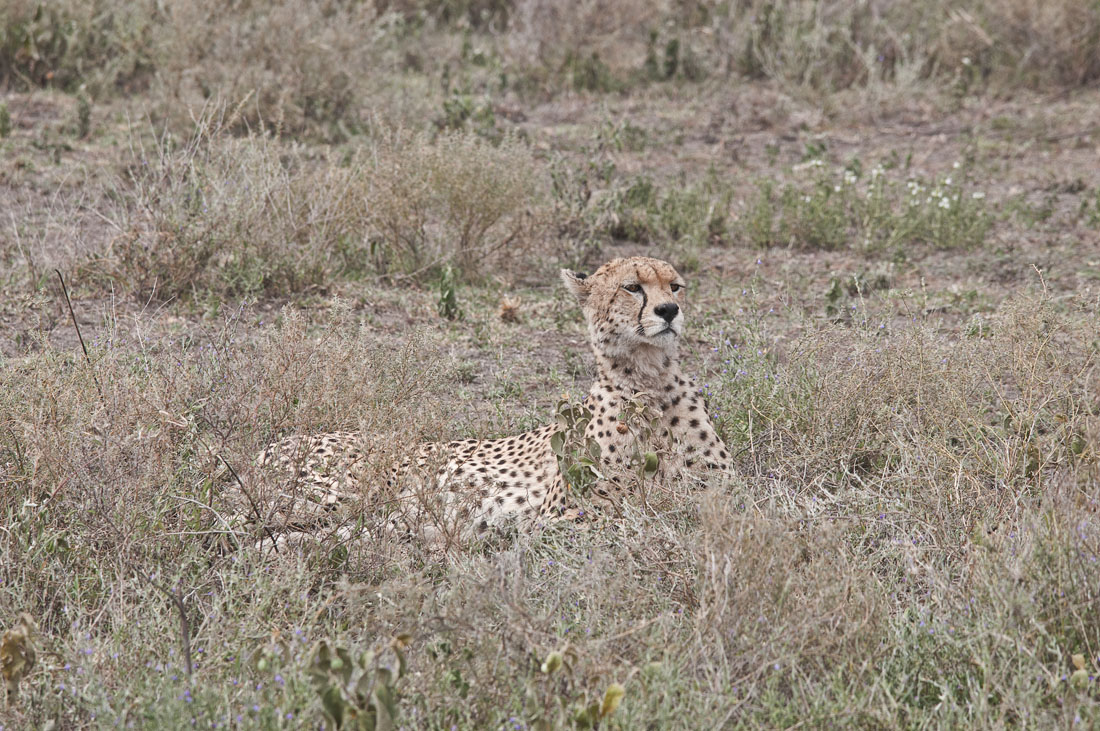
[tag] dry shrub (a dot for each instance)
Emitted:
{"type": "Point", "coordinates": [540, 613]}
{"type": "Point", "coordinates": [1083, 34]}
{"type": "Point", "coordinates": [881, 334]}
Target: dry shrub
{"type": "Point", "coordinates": [550, 32]}
{"type": "Point", "coordinates": [1039, 43]}
{"type": "Point", "coordinates": [454, 199]}
{"type": "Point", "coordinates": [112, 476]}
{"type": "Point", "coordinates": [295, 66]}
{"type": "Point", "coordinates": [919, 505]}
{"type": "Point", "coordinates": [224, 216]}
{"type": "Point", "coordinates": [1034, 579]}
{"type": "Point", "coordinates": [298, 68]}
{"type": "Point", "coordinates": [232, 219]}
{"type": "Point", "coordinates": [979, 419]}
{"type": "Point", "coordinates": [237, 215]}
{"type": "Point", "coordinates": [831, 45]}
{"type": "Point", "coordinates": [842, 43]}
{"type": "Point", "coordinates": [892, 557]}
{"type": "Point", "coordinates": [610, 599]}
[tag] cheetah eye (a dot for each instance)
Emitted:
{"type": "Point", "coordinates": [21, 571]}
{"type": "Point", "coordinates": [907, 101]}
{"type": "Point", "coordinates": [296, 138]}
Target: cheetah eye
{"type": "Point", "coordinates": [675, 286]}
{"type": "Point", "coordinates": [633, 287]}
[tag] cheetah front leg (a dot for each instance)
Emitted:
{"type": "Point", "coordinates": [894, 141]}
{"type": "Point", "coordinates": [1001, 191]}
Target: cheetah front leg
{"type": "Point", "coordinates": [691, 431]}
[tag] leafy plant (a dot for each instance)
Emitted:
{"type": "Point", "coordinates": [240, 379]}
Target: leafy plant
{"type": "Point", "coordinates": [683, 218]}
{"type": "Point", "coordinates": [578, 456]}
{"type": "Point", "coordinates": [590, 73]}
{"type": "Point", "coordinates": [447, 303]}
{"type": "Point", "coordinates": [17, 654]}
{"type": "Point", "coordinates": [227, 216]}
{"type": "Point", "coordinates": [83, 116]}
{"type": "Point", "coordinates": [554, 701]}
{"type": "Point", "coordinates": [839, 209]}
{"type": "Point", "coordinates": [357, 693]}
{"type": "Point", "coordinates": [463, 112]}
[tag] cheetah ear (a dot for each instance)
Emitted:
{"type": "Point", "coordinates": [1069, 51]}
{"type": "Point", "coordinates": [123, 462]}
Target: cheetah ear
{"type": "Point", "coordinates": [578, 284]}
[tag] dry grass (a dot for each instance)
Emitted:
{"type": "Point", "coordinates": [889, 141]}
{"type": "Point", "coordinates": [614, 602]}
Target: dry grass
{"type": "Point", "coordinates": [911, 539]}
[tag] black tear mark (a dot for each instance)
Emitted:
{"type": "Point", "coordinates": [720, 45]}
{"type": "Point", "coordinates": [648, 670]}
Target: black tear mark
{"type": "Point", "coordinates": [645, 299]}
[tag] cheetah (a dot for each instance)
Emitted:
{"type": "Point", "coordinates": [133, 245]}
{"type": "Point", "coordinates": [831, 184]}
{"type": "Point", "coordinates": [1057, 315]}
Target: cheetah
{"type": "Point", "coordinates": [634, 308]}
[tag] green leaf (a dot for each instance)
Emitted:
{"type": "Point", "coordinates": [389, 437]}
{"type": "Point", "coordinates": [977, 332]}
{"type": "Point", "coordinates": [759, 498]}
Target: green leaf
{"type": "Point", "coordinates": [401, 664]}
{"type": "Point", "coordinates": [386, 704]}
{"type": "Point", "coordinates": [586, 717]}
{"type": "Point", "coordinates": [552, 663]}
{"type": "Point", "coordinates": [612, 697]}
{"type": "Point", "coordinates": [333, 703]}
{"type": "Point", "coordinates": [342, 664]}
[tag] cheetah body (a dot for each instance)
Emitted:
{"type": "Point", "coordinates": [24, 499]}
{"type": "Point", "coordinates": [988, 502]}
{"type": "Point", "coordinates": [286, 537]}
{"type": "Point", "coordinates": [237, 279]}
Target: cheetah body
{"type": "Point", "coordinates": [633, 308]}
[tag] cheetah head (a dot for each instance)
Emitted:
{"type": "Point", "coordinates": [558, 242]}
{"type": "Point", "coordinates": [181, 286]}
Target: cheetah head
{"type": "Point", "coordinates": [631, 305]}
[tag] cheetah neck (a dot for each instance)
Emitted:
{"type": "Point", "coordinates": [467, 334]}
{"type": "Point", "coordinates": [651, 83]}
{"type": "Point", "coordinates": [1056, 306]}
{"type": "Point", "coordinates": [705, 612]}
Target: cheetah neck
{"type": "Point", "coordinates": [644, 369]}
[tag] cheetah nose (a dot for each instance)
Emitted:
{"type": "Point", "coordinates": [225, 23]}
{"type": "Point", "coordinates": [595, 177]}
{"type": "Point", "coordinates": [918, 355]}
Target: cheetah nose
{"type": "Point", "coordinates": [668, 311]}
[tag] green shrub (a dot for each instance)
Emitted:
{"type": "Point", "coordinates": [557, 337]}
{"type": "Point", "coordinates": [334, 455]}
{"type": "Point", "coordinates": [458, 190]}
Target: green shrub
{"type": "Point", "coordinates": [103, 44]}
{"type": "Point", "coordinates": [834, 210]}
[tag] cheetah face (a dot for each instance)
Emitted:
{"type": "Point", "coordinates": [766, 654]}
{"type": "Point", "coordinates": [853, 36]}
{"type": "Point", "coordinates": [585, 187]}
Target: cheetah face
{"type": "Point", "coordinates": [630, 304]}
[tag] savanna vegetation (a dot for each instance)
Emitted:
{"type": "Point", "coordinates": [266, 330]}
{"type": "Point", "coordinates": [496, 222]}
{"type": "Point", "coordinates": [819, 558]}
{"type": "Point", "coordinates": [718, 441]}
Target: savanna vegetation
{"type": "Point", "coordinates": [282, 217]}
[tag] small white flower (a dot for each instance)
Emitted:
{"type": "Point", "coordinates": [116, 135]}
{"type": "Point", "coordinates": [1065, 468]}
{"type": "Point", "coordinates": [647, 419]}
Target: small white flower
{"type": "Point", "coordinates": [836, 188]}
{"type": "Point", "coordinates": [945, 203]}
{"type": "Point", "coordinates": [966, 60]}
{"type": "Point", "coordinates": [957, 165]}
{"type": "Point", "coordinates": [947, 180]}
{"type": "Point", "coordinates": [977, 195]}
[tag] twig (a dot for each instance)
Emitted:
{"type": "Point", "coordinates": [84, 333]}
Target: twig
{"type": "Point", "coordinates": [65, 291]}
{"type": "Point", "coordinates": [1077, 133]}
{"type": "Point", "coordinates": [228, 528]}
{"type": "Point", "coordinates": [26, 258]}
{"type": "Point", "coordinates": [185, 626]}
{"type": "Point", "coordinates": [255, 508]}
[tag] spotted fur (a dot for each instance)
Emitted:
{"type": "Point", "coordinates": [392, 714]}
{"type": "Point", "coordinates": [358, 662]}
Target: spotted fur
{"type": "Point", "coordinates": [634, 311]}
